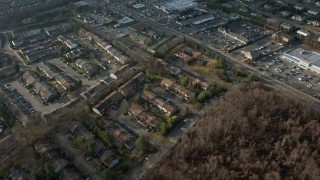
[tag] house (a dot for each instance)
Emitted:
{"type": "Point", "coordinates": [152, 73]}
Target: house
{"type": "Point", "coordinates": [196, 80]}
{"type": "Point", "coordinates": [119, 134]}
{"type": "Point", "coordinates": [129, 88]}
{"type": "Point", "coordinates": [102, 44]}
{"type": "Point", "coordinates": [69, 174]}
{"type": "Point", "coordinates": [284, 13]}
{"type": "Point", "coordinates": [286, 26]}
{"type": "Point", "coordinates": [314, 23]}
{"type": "Point", "coordinates": [64, 82]}
{"type": "Point", "coordinates": [313, 12]}
{"type": "Point", "coordinates": [87, 67]}
{"type": "Point", "coordinates": [17, 43]}
{"type": "Point", "coordinates": [303, 32]}
{"type": "Point", "coordinates": [47, 93]}
{"type": "Point", "coordinates": [56, 30]}
{"type": "Point", "coordinates": [152, 98]}
{"type": "Point", "coordinates": [87, 34]}
{"type": "Point", "coordinates": [75, 54]}
{"type": "Point", "coordinates": [121, 58]}
{"type": "Point", "coordinates": [120, 72]}
{"type": "Point", "coordinates": [90, 69]}
{"type": "Point", "coordinates": [57, 163]}
{"type": "Point", "coordinates": [138, 6]}
{"type": "Point", "coordinates": [173, 70]}
{"type": "Point", "coordinates": [51, 156]}
{"type": "Point", "coordinates": [41, 148]}
{"type": "Point", "coordinates": [252, 55]}
{"type": "Point", "coordinates": [98, 148]}
{"type": "Point", "coordinates": [30, 78]}
{"type": "Point", "coordinates": [183, 91]}
{"type": "Point", "coordinates": [124, 73]}
{"type": "Point", "coordinates": [122, 137]}
{"type": "Point", "coordinates": [81, 63]}
{"type": "Point", "coordinates": [111, 101]}
{"type": "Point", "coordinates": [144, 116]}
{"type": "Point", "coordinates": [185, 57]}
{"type": "Point", "coordinates": [37, 87]}
{"type": "Point", "coordinates": [298, 18]}
{"type": "Point", "coordinates": [70, 44]}
{"type": "Point", "coordinates": [125, 21]}
{"type": "Point", "coordinates": [299, 8]}
{"type": "Point", "coordinates": [141, 38]}
{"type": "Point", "coordinates": [20, 174]}
{"type": "Point", "coordinates": [96, 92]}
{"type": "Point", "coordinates": [81, 131]}
{"type": "Point", "coordinates": [109, 159]}
{"type": "Point", "coordinates": [48, 70]}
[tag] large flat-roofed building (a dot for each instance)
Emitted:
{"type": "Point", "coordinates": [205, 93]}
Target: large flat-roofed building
{"type": "Point", "coordinates": [179, 5]}
{"type": "Point", "coordinates": [305, 58]}
{"type": "Point", "coordinates": [243, 31]}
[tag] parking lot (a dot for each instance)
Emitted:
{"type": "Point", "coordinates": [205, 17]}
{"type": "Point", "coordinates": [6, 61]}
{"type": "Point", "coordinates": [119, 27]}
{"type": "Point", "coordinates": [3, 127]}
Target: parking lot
{"type": "Point", "coordinates": [290, 73]}
{"type": "Point", "coordinates": [32, 102]}
{"type": "Point", "coordinates": [23, 104]}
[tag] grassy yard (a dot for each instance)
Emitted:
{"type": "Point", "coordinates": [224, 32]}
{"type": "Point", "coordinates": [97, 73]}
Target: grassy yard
{"type": "Point", "coordinates": [159, 137]}
{"type": "Point", "coordinates": [210, 72]}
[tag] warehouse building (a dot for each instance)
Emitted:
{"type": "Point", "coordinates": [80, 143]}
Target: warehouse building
{"type": "Point", "coordinates": [304, 58]}
{"type": "Point", "coordinates": [179, 5]}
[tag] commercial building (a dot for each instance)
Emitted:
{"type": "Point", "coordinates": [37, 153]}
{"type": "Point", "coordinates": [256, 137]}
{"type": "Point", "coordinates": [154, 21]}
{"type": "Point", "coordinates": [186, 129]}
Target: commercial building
{"type": "Point", "coordinates": [243, 32]}
{"type": "Point", "coordinates": [252, 55]}
{"type": "Point", "coordinates": [179, 5]}
{"type": "Point", "coordinates": [138, 6]}
{"type": "Point", "coordinates": [304, 58]}
{"type": "Point", "coordinates": [282, 37]}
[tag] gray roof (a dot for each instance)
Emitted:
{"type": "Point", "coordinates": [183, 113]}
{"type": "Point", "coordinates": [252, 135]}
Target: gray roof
{"type": "Point", "coordinates": [38, 86]}
{"type": "Point", "coordinates": [306, 55]}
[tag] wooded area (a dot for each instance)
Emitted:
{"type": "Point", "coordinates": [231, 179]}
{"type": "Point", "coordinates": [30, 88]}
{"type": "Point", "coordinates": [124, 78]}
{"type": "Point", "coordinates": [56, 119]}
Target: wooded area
{"type": "Point", "coordinates": [252, 133]}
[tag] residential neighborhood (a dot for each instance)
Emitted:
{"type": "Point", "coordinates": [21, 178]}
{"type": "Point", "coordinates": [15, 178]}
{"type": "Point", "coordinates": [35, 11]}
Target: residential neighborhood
{"type": "Point", "coordinates": [106, 89]}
